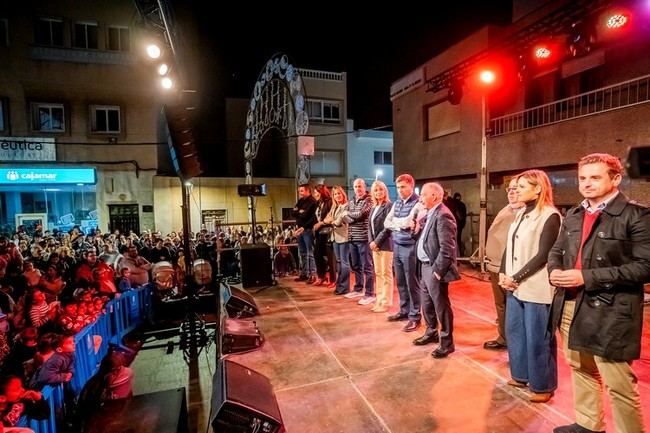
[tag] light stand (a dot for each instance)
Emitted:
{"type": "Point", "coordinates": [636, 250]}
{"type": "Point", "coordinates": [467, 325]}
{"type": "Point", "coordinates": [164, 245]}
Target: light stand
{"type": "Point", "coordinates": [193, 333]}
{"type": "Point", "coordinates": [482, 226]}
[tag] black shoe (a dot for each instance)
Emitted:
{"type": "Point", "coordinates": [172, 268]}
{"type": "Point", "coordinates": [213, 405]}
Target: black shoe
{"type": "Point", "coordinates": [574, 428]}
{"type": "Point", "coordinates": [441, 353]}
{"type": "Point", "coordinates": [301, 278]}
{"type": "Point", "coordinates": [494, 345]}
{"type": "Point", "coordinates": [411, 326]}
{"type": "Point", "coordinates": [397, 317]}
{"type": "Point", "coordinates": [336, 292]}
{"type": "Point", "coordinates": [426, 339]}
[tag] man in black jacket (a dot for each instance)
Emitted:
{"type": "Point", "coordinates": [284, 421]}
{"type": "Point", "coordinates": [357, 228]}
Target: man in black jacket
{"type": "Point", "coordinates": [599, 264]}
{"type": "Point", "coordinates": [305, 214]}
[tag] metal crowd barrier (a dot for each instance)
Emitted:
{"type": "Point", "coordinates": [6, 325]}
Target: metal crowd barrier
{"type": "Point", "coordinates": [92, 343]}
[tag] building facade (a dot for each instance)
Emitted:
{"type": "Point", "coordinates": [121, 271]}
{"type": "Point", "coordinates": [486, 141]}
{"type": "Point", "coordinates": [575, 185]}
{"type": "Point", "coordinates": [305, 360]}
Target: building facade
{"type": "Point", "coordinates": [370, 157]}
{"type": "Point", "coordinates": [591, 95]}
{"type": "Point", "coordinates": [80, 122]}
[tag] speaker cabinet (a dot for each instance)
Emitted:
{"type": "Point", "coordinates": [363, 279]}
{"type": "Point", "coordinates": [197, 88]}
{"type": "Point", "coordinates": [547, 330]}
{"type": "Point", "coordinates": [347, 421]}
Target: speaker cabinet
{"type": "Point", "coordinates": [243, 401]}
{"type": "Point", "coordinates": [241, 336]}
{"type": "Point", "coordinates": [239, 303]}
{"type": "Point", "coordinates": [255, 261]}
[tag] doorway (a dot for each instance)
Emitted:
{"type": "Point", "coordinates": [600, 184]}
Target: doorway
{"type": "Point", "coordinates": [123, 217]}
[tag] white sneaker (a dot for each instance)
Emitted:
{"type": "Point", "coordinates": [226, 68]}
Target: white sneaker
{"type": "Point", "coordinates": [353, 294]}
{"type": "Point", "coordinates": [366, 300]}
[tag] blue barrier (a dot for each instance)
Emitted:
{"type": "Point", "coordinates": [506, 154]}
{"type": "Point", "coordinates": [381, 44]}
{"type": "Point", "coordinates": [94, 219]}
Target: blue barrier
{"type": "Point", "coordinates": [122, 315]}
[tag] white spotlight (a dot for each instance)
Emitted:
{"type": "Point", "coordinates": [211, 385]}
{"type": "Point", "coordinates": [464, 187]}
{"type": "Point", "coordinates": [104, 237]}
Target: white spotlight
{"type": "Point", "coordinates": [153, 51]}
{"type": "Point", "coordinates": [167, 83]}
{"type": "Point", "coordinates": [163, 69]}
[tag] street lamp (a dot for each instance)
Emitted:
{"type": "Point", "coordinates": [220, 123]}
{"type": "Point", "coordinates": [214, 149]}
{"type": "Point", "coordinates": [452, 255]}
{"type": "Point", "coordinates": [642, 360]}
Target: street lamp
{"type": "Point", "coordinates": [378, 173]}
{"type": "Point", "coordinates": [487, 77]}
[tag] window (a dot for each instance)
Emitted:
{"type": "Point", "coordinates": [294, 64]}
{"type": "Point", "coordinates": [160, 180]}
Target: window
{"type": "Point", "coordinates": [119, 39]}
{"type": "Point", "coordinates": [382, 157]}
{"type": "Point", "coordinates": [3, 112]}
{"type": "Point", "coordinates": [4, 33]}
{"type": "Point", "coordinates": [105, 118]}
{"type": "Point", "coordinates": [85, 35]}
{"type": "Point", "coordinates": [441, 119]}
{"type": "Point", "coordinates": [324, 111]}
{"type": "Point", "coordinates": [48, 117]}
{"type": "Point", "coordinates": [49, 31]}
{"type": "Point", "coordinates": [327, 162]}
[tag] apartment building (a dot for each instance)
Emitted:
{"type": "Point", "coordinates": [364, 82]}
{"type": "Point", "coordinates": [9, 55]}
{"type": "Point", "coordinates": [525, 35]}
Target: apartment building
{"type": "Point", "coordinates": [80, 122]}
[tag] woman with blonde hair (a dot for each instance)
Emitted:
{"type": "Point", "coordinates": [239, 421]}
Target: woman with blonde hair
{"type": "Point", "coordinates": [336, 219]}
{"type": "Point", "coordinates": [532, 348]}
{"type": "Point", "coordinates": [381, 245]}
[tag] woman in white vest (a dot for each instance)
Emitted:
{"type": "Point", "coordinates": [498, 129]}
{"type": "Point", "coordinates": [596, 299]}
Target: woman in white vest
{"type": "Point", "coordinates": [336, 219]}
{"type": "Point", "coordinates": [532, 348]}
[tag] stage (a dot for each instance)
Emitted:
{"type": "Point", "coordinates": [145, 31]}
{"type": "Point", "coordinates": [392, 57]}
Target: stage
{"type": "Point", "coordinates": [337, 367]}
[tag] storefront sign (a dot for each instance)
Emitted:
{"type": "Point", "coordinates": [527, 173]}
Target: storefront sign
{"type": "Point", "coordinates": [30, 176]}
{"type": "Point", "coordinates": [27, 149]}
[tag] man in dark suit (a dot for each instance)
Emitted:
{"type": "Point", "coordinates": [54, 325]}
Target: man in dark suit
{"type": "Point", "coordinates": [436, 252]}
{"type": "Point", "coordinates": [599, 264]}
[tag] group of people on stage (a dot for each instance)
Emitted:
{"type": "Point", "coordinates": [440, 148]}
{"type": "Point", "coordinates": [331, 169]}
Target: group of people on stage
{"type": "Point", "coordinates": [583, 275]}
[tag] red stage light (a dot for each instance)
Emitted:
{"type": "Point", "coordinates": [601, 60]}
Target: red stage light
{"type": "Point", "coordinates": [617, 20]}
{"type": "Point", "coordinates": [542, 52]}
{"type": "Point", "coordinates": [487, 77]}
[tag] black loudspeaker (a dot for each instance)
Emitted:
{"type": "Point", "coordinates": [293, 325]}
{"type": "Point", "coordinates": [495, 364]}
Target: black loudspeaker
{"type": "Point", "coordinates": [243, 401]}
{"type": "Point", "coordinates": [241, 336]}
{"type": "Point", "coordinates": [239, 303]}
{"type": "Point", "coordinates": [255, 261]}
{"type": "Point", "coordinates": [249, 189]}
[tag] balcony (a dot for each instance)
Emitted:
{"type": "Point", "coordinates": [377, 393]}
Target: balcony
{"type": "Point", "coordinates": [321, 75]}
{"type": "Point", "coordinates": [614, 97]}
{"type": "Point", "coordinates": [80, 55]}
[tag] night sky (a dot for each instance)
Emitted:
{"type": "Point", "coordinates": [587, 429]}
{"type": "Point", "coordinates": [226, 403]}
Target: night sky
{"type": "Point", "coordinates": [225, 52]}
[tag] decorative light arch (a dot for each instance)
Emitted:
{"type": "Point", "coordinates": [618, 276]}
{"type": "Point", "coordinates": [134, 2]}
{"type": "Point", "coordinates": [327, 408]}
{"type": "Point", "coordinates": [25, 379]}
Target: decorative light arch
{"type": "Point", "coordinates": [278, 101]}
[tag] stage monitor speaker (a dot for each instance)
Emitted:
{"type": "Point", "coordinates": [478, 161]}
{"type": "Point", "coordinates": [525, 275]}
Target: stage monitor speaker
{"type": "Point", "coordinates": [240, 336]}
{"type": "Point", "coordinates": [239, 303]}
{"type": "Point", "coordinates": [243, 401]}
{"type": "Point", "coordinates": [255, 261]}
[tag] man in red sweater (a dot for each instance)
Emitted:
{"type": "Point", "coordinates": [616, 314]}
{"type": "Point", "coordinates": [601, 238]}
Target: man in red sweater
{"type": "Point", "coordinates": [599, 265]}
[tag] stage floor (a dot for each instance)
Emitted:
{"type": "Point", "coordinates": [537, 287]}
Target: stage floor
{"type": "Point", "coordinates": [338, 367]}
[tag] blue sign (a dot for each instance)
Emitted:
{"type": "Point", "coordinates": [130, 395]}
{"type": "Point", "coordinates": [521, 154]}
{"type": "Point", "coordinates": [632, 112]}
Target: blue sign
{"type": "Point", "coordinates": [32, 176]}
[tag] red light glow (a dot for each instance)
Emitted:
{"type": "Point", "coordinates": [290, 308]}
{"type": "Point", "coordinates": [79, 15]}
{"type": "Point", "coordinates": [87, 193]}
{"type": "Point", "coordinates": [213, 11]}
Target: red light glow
{"type": "Point", "coordinates": [487, 77]}
{"type": "Point", "coordinates": [617, 20]}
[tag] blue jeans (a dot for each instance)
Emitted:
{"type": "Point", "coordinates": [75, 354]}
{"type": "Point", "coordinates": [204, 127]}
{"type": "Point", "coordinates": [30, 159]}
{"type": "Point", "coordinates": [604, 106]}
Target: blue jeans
{"type": "Point", "coordinates": [342, 252]}
{"type": "Point", "coordinates": [532, 349]}
{"type": "Point", "coordinates": [408, 284]}
{"type": "Point", "coordinates": [361, 264]}
{"type": "Point", "coordinates": [306, 249]}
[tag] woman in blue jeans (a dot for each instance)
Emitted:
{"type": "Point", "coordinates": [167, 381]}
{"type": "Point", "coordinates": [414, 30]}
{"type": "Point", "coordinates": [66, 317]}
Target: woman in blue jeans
{"type": "Point", "coordinates": [532, 349]}
{"type": "Point", "coordinates": [335, 218]}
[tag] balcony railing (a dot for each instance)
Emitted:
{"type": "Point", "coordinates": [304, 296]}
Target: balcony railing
{"type": "Point", "coordinates": [321, 75]}
{"type": "Point", "coordinates": [621, 95]}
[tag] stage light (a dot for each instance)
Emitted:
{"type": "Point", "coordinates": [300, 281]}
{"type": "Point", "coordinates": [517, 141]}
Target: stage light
{"type": "Point", "coordinates": [163, 68]}
{"type": "Point", "coordinates": [153, 51]}
{"type": "Point", "coordinates": [487, 76]}
{"type": "Point", "coordinates": [543, 52]}
{"type": "Point", "coordinates": [617, 20]}
{"type": "Point", "coordinates": [455, 92]}
{"type": "Point", "coordinates": [166, 83]}
{"type": "Point", "coordinates": [581, 39]}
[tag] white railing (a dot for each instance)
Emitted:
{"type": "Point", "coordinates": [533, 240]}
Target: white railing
{"type": "Point", "coordinates": [321, 75]}
{"type": "Point", "coordinates": [621, 95]}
